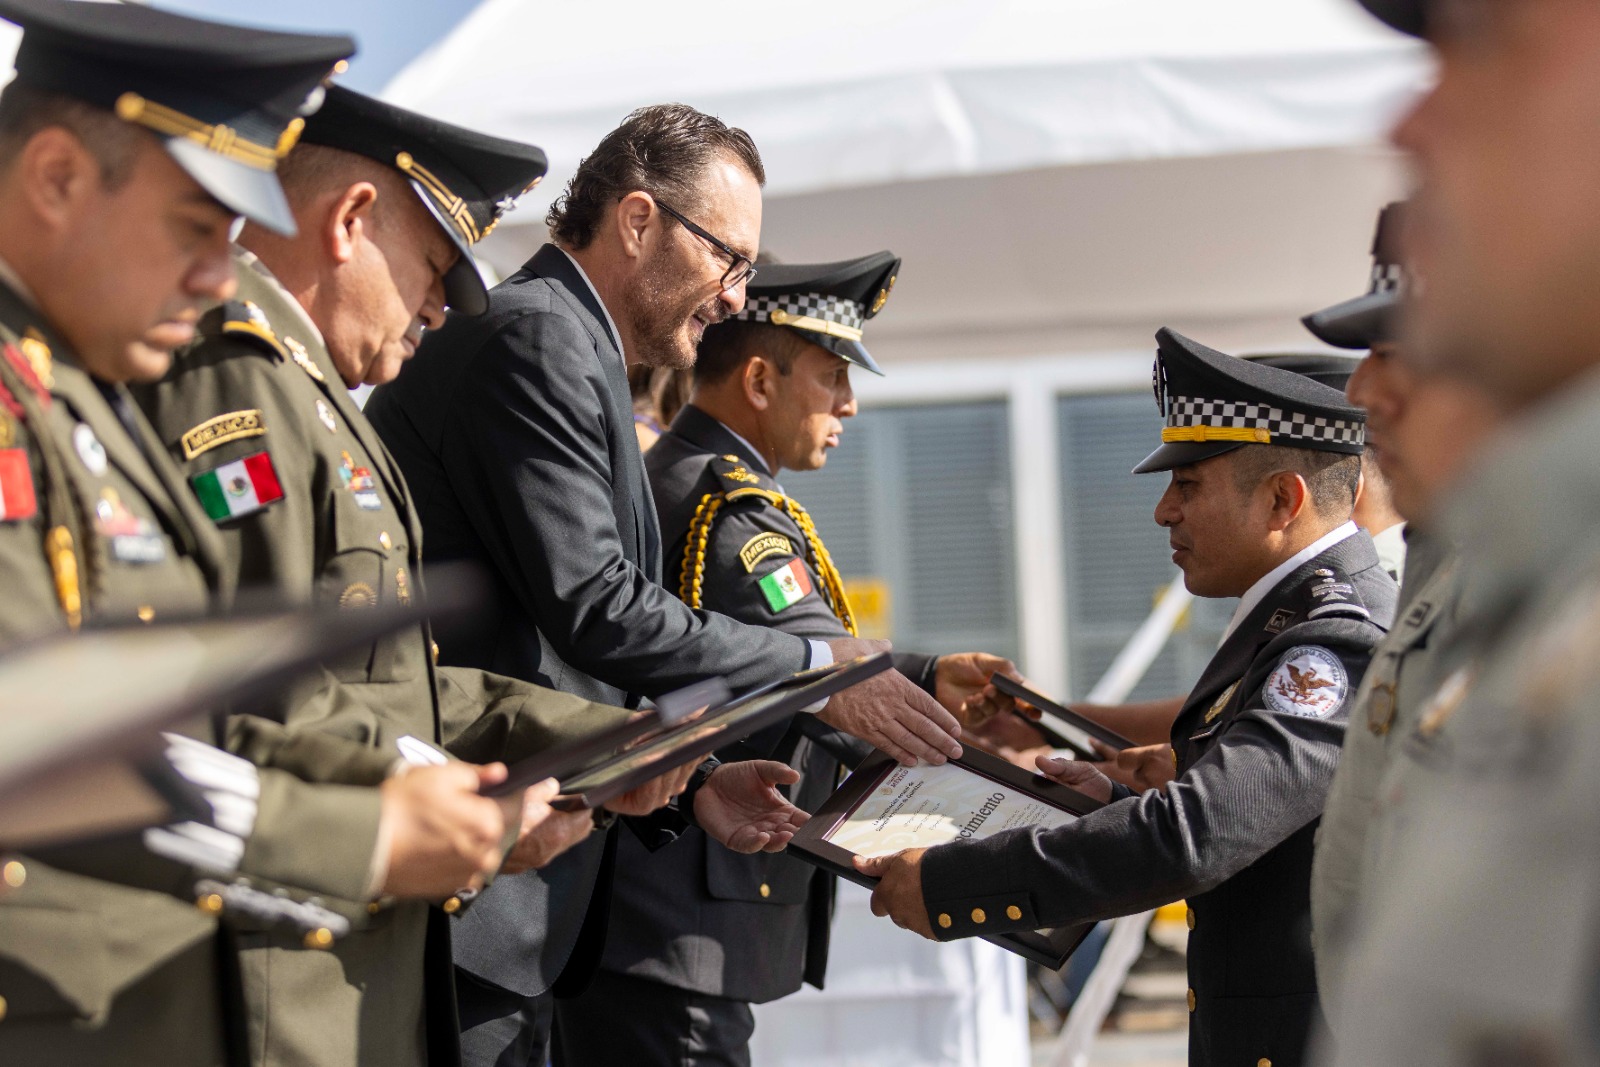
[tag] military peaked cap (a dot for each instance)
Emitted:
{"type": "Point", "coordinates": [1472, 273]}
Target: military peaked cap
{"type": "Point", "coordinates": [1369, 319]}
{"type": "Point", "coordinates": [1327, 368]}
{"type": "Point", "coordinates": [829, 303]}
{"type": "Point", "coordinates": [468, 180]}
{"type": "Point", "coordinates": [1407, 16]}
{"type": "Point", "coordinates": [1214, 403]}
{"type": "Point", "coordinates": [229, 102]}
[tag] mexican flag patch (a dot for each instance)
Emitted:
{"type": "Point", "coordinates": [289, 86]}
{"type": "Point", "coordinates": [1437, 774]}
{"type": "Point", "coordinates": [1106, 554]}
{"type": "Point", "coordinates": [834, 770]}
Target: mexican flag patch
{"type": "Point", "coordinates": [239, 488]}
{"type": "Point", "coordinates": [786, 585]}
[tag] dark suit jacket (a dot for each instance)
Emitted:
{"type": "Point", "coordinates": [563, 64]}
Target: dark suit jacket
{"type": "Point", "coordinates": [1232, 834]}
{"type": "Point", "coordinates": [515, 433]}
{"type": "Point", "coordinates": [697, 916]}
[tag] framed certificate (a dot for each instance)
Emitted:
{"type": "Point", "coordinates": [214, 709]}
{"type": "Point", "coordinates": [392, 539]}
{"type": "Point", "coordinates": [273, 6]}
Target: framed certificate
{"type": "Point", "coordinates": [1058, 722]}
{"type": "Point", "coordinates": [883, 808]}
{"type": "Point", "coordinates": [699, 735]}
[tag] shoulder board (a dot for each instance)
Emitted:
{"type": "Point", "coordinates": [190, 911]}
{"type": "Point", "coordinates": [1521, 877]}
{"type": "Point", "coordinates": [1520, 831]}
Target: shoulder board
{"type": "Point", "coordinates": [246, 321]}
{"type": "Point", "coordinates": [732, 472]}
{"type": "Point", "coordinates": [1329, 592]}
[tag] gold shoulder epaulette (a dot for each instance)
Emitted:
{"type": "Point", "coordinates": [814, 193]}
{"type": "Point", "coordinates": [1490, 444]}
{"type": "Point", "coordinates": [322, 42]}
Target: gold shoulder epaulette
{"type": "Point", "coordinates": [241, 318]}
{"type": "Point", "coordinates": [732, 471]}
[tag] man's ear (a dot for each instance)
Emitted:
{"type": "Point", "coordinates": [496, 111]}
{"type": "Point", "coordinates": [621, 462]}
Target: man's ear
{"type": "Point", "coordinates": [57, 173]}
{"type": "Point", "coordinates": [638, 221]}
{"type": "Point", "coordinates": [348, 221]}
{"type": "Point", "coordinates": [1290, 496]}
{"type": "Point", "coordinates": [758, 378]}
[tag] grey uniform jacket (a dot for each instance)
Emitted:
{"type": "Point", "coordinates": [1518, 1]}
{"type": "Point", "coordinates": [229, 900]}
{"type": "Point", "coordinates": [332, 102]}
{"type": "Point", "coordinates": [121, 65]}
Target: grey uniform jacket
{"type": "Point", "coordinates": [515, 433]}
{"type": "Point", "coordinates": [697, 916]}
{"type": "Point", "coordinates": [1256, 742]}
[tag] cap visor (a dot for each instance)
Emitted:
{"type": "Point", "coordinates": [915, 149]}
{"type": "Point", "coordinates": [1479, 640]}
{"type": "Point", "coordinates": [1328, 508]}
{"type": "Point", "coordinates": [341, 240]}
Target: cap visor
{"type": "Point", "coordinates": [1360, 323]}
{"type": "Point", "coordinates": [849, 351]}
{"type": "Point", "coordinates": [1407, 16]}
{"type": "Point", "coordinates": [1182, 453]}
{"type": "Point", "coordinates": [464, 290]}
{"type": "Point", "coordinates": [253, 193]}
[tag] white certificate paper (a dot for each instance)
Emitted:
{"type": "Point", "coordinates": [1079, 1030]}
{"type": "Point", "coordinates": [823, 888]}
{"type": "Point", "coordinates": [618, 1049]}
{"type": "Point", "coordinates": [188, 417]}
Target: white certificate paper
{"type": "Point", "coordinates": [923, 806]}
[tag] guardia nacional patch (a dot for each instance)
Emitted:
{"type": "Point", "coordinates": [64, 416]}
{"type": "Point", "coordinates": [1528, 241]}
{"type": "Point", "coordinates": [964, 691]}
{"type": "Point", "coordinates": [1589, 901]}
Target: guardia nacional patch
{"type": "Point", "coordinates": [1310, 682]}
{"type": "Point", "coordinates": [765, 546]}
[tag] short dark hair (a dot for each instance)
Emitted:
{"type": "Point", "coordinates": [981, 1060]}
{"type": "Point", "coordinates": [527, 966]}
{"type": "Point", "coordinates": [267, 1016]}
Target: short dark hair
{"type": "Point", "coordinates": [1332, 477]}
{"type": "Point", "coordinates": [26, 110]}
{"type": "Point", "coordinates": [661, 150]}
{"type": "Point", "coordinates": [730, 344]}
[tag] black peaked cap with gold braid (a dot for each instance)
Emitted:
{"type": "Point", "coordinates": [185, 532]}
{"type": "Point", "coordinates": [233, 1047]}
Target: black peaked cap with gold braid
{"type": "Point", "coordinates": [1214, 403]}
{"type": "Point", "coordinates": [829, 303]}
{"type": "Point", "coordinates": [467, 179]}
{"type": "Point", "coordinates": [228, 101]}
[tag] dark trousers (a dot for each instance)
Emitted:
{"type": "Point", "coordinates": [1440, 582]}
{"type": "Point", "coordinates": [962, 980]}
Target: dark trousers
{"type": "Point", "coordinates": [500, 1028]}
{"type": "Point", "coordinates": [623, 1022]}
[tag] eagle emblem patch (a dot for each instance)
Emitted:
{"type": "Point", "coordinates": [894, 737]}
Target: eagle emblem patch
{"type": "Point", "coordinates": [1309, 682]}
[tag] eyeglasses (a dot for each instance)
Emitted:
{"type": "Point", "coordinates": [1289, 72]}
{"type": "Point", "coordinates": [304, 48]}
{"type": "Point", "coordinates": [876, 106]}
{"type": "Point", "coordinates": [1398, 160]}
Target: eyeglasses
{"type": "Point", "coordinates": [741, 271]}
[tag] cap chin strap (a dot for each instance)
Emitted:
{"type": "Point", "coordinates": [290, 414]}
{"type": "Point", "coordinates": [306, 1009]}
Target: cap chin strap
{"type": "Point", "coordinates": [223, 140]}
{"type": "Point", "coordinates": [780, 317]}
{"type": "Point", "coordinates": [1250, 434]}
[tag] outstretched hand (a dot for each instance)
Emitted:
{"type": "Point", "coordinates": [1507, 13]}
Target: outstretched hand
{"type": "Point", "coordinates": [741, 808]}
{"type": "Point", "coordinates": [891, 712]}
{"type": "Point", "coordinates": [961, 685]}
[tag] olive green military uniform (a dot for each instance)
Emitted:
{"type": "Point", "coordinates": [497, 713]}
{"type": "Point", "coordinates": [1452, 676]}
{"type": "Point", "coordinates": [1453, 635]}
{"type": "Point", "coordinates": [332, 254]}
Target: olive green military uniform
{"type": "Point", "coordinates": [95, 527]}
{"type": "Point", "coordinates": [1386, 709]}
{"type": "Point", "coordinates": [329, 520]}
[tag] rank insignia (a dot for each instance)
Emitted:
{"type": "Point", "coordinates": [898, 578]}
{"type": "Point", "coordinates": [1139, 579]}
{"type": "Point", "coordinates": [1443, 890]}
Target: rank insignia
{"type": "Point", "coordinates": [786, 586]}
{"type": "Point", "coordinates": [232, 426]}
{"type": "Point", "coordinates": [133, 539]}
{"type": "Point", "coordinates": [737, 472]}
{"type": "Point", "coordinates": [240, 488]}
{"type": "Point", "coordinates": [359, 481]}
{"type": "Point", "coordinates": [764, 546]}
{"type": "Point", "coordinates": [302, 359]}
{"type": "Point", "coordinates": [325, 414]}
{"type": "Point", "coordinates": [358, 595]}
{"type": "Point", "coordinates": [1280, 621]}
{"type": "Point", "coordinates": [1221, 702]}
{"type": "Point", "coordinates": [1310, 682]}
{"type": "Point", "coordinates": [17, 498]}
{"type": "Point", "coordinates": [244, 317]}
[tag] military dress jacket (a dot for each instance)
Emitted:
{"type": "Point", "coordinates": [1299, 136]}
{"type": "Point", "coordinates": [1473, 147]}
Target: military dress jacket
{"type": "Point", "coordinates": [697, 916]}
{"type": "Point", "coordinates": [1256, 744]}
{"type": "Point", "coordinates": [1476, 936]}
{"type": "Point", "coordinates": [515, 433]}
{"type": "Point", "coordinates": [256, 405]}
{"type": "Point", "coordinates": [1385, 710]}
{"type": "Point", "coordinates": [97, 528]}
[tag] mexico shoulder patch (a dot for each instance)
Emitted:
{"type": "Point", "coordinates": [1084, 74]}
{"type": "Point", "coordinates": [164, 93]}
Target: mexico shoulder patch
{"type": "Point", "coordinates": [240, 488]}
{"type": "Point", "coordinates": [1310, 682]}
{"type": "Point", "coordinates": [786, 586]}
{"type": "Point", "coordinates": [764, 546]}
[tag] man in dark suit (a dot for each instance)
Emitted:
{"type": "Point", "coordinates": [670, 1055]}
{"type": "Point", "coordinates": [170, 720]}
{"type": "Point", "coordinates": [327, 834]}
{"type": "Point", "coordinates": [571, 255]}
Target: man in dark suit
{"type": "Point", "coordinates": [1265, 465]}
{"type": "Point", "coordinates": [699, 933]}
{"type": "Point", "coordinates": [515, 433]}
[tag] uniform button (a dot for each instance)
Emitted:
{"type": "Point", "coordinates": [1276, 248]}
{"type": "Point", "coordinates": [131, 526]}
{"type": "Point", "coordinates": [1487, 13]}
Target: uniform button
{"type": "Point", "coordinates": [1263, 1062]}
{"type": "Point", "coordinates": [383, 539]}
{"type": "Point", "coordinates": [766, 890]}
{"type": "Point", "coordinates": [1188, 917]}
{"type": "Point", "coordinates": [2, 1009]}
{"type": "Point", "coordinates": [978, 916]}
{"type": "Point", "coordinates": [1191, 1000]}
{"type": "Point", "coordinates": [434, 648]}
{"type": "Point", "coordinates": [1013, 913]}
{"type": "Point", "coordinates": [146, 612]}
{"type": "Point", "coordinates": [451, 906]}
{"type": "Point", "coordinates": [211, 904]}
{"type": "Point", "coordinates": [14, 874]}
{"type": "Point", "coordinates": [944, 920]}
{"type": "Point", "coordinates": [321, 937]}
{"type": "Point", "coordinates": [374, 907]}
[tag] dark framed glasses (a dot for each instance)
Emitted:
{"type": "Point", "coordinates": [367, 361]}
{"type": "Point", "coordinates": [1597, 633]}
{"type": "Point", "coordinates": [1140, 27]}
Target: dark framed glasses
{"type": "Point", "coordinates": [740, 270]}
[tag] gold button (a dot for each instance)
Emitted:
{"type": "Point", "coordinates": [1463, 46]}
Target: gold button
{"type": "Point", "coordinates": [2, 1008]}
{"type": "Point", "coordinates": [374, 907]}
{"type": "Point", "coordinates": [146, 612]}
{"type": "Point", "coordinates": [1191, 1000]}
{"type": "Point", "coordinates": [766, 890]}
{"type": "Point", "coordinates": [211, 904]}
{"type": "Point", "coordinates": [1188, 917]}
{"type": "Point", "coordinates": [14, 874]}
{"type": "Point", "coordinates": [321, 937]}
{"type": "Point", "coordinates": [944, 920]}
{"type": "Point", "coordinates": [1263, 1062]}
{"type": "Point", "coordinates": [451, 906]}
{"type": "Point", "coordinates": [1013, 913]}
{"type": "Point", "coordinates": [383, 539]}
{"type": "Point", "coordinates": [978, 916]}
{"type": "Point", "coordinates": [434, 646]}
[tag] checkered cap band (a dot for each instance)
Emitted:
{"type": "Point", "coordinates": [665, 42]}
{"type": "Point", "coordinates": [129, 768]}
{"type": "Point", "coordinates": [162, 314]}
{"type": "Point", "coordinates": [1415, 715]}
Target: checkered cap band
{"type": "Point", "coordinates": [1287, 425]}
{"type": "Point", "coordinates": [1388, 277]}
{"type": "Point", "coordinates": [834, 309]}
